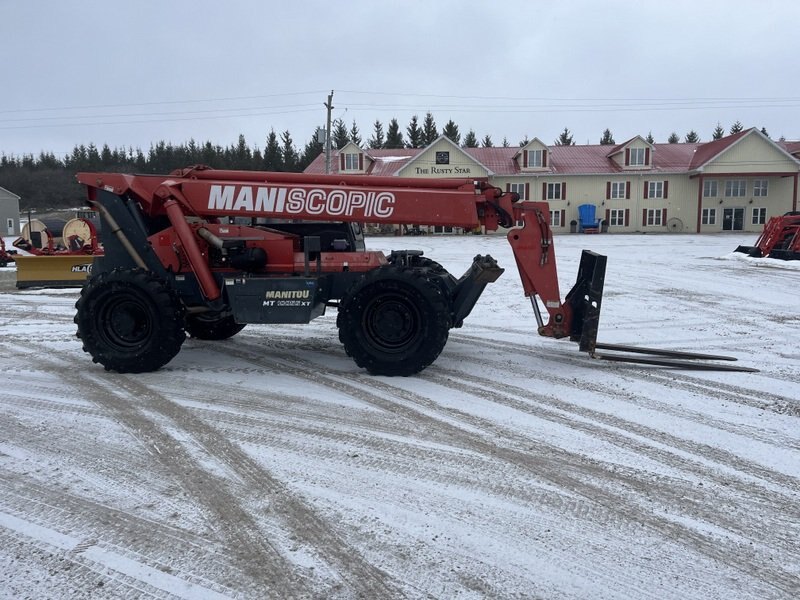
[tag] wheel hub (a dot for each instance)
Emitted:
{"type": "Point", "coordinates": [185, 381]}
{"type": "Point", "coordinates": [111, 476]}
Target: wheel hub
{"type": "Point", "coordinates": [392, 324]}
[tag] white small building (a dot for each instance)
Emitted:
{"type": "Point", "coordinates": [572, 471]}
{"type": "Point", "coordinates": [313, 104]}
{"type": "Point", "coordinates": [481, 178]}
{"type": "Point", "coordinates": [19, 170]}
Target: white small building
{"type": "Point", "coordinates": [9, 213]}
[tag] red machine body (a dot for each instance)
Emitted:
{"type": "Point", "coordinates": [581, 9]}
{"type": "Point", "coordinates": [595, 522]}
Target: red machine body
{"type": "Point", "coordinates": [207, 251]}
{"type": "Point", "coordinates": [779, 239]}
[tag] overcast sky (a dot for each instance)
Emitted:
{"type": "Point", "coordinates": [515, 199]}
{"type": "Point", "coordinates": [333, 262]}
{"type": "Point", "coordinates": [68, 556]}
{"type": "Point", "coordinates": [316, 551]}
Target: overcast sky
{"type": "Point", "coordinates": [131, 73]}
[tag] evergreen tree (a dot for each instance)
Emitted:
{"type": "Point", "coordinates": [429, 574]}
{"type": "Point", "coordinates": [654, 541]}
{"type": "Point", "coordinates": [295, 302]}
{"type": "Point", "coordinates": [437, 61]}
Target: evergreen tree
{"type": "Point", "coordinates": [340, 136]}
{"type": "Point", "coordinates": [429, 131]}
{"type": "Point", "coordinates": [273, 161]}
{"type": "Point", "coordinates": [673, 138]}
{"type": "Point", "coordinates": [486, 142]}
{"type": "Point", "coordinates": [242, 155]}
{"type": "Point", "coordinates": [211, 156]}
{"type": "Point", "coordinates": [565, 139]}
{"type": "Point", "coordinates": [93, 158]}
{"type": "Point", "coordinates": [377, 140]}
{"type": "Point", "coordinates": [355, 134]}
{"type": "Point", "coordinates": [414, 133]}
{"type": "Point", "coordinates": [258, 158]}
{"type": "Point", "coordinates": [290, 158]}
{"type": "Point", "coordinates": [140, 162]}
{"type": "Point", "coordinates": [736, 127]}
{"type": "Point", "coordinates": [470, 140]}
{"type": "Point", "coordinates": [524, 141]}
{"type": "Point", "coordinates": [450, 131]}
{"type": "Point", "coordinates": [649, 138]}
{"type": "Point", "coordinates": [105, 157]}
{"type": "Point", "coordinates": [394, 137]}
{"type": "Point", "coordinates": [691, 137]}
{"type": "Point", "coordinates": [607, 139]}
{"type": "Point", "coordinates": [719, 132]}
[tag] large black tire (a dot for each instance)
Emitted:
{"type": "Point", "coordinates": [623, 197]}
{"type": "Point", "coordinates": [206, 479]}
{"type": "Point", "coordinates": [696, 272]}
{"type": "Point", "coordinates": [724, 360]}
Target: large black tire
{"type": "Point", "coordinates": [212, 326]}
{"type": "Point", "coordinates": [395, 321]}
{"type": "Point", "coordinates": [432, 270]}
{"type": "Point", "coordinates": [130, 321]}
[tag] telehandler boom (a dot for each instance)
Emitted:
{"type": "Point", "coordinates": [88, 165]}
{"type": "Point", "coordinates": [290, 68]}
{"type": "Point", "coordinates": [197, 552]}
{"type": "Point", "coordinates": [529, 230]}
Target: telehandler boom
{"type": "Point", "coordinates": [204, 252]}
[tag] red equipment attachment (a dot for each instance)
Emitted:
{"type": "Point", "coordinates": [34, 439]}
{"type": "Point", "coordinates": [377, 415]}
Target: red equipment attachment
{"type": "Point", "coordinates": [212, 250]}
{"type": "Point", "coordinates": [779, 239]}
{"type": "Point", "coordinates": [6, 256]}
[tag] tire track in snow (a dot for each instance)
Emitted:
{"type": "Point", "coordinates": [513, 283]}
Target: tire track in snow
{"type": "Point", "coordinates": [549, 462]}
{"type": "Point", "coordinates": [752, 398]}
{"type": "Point", "coordinates": [268, 570]}
{"type": "Point", "coordinates": [143, 541]}
{"type": "Point", "coordinates": [361, 577]}
{"type": "Point", "coordinates": [785, 510]}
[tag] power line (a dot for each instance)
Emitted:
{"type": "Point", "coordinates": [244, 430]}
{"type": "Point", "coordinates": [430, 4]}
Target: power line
{"type": "Point", "coordinates": [153, 103]}
{"type": "Point", "coordinates": [193, 112]}
{"type": "Point", "coordinates": [140, 121]}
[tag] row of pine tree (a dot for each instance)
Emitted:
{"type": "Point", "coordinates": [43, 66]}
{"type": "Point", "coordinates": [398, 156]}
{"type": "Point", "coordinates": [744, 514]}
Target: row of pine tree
{"type": "Point", "coordinates": [46, 181]}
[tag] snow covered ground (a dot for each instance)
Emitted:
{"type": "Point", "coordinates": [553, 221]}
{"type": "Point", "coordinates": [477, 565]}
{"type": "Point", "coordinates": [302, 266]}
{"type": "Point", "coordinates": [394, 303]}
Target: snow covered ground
{"type": "Point", "coordinates": [269, 465]}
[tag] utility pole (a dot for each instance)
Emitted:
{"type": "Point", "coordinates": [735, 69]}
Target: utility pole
{"type": "Point", "coordinates": [329, 106]}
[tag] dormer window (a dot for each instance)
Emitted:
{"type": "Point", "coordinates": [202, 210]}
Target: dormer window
{"type": "Point", "coordinates": [637, 157]}
{"type": "Point", "coordinates": [535, 158]}
{"type": "Point", "coordinates": [351, 162]}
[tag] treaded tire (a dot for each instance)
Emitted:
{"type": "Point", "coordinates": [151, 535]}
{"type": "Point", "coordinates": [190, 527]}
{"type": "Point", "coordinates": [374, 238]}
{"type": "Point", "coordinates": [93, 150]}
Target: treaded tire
{"type": "Point", "coordinates": [130, 321]}
{"type": "Point", "coordinates": [211, 326]}
{"type": "Point", "coordinates": [395, 321]}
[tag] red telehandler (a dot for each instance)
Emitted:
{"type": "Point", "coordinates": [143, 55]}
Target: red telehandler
{"type": "Point", "coordinates": [204, 252]}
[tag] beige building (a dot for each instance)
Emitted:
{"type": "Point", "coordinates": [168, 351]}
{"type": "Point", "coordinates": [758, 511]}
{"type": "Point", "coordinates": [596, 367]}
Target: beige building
{"type": "Point", "coordinates": [733, 184]}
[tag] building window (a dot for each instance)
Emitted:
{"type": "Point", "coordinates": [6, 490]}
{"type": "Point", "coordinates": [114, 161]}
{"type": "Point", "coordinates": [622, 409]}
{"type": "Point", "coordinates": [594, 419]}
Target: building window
{"type": "Point", "coordinates": [710, 188]}
{"type": "Point", "coordinates": [636, 158]}
{"type": "Point", "coordinates": [555, 218]}
{"type": "Point", "coordinates": [351, 162]}
{"type": "Point", "coordinates": [709, 216]}
{"type": "Point", "coordinates": [654, 216]}
{"type": "Point", "coordinates": [534, 158]}
{"type": "Point", "coordinates": [616, 217]}
{"type": "Point", "coordinates": [553, 191]}
{"type": "Point", "coordinates": [760, 187]}
{"type": "Point", "coordinates": [519, 188]}
{"type": "Point", "coordinates": [655, 189]}
{"type": "Point", "coordinates": [735, 188]}
{"type": "Point", "coordinates": [618, 190]}
{"type": "Point", "coordinates": [759, 216]}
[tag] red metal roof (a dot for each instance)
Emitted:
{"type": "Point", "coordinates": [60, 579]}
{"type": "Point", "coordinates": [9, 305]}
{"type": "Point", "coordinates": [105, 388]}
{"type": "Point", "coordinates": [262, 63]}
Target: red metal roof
{"type": "Point", "coordinates": [709, 150]}
{"type": "Point", "coordinates": [790, 147]}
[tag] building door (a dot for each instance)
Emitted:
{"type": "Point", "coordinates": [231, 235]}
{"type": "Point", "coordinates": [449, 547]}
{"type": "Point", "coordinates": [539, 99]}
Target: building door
{"type": "Point", "coordinates": [732, 219]}
{"type": "Point", "coordinates": [10, 226]}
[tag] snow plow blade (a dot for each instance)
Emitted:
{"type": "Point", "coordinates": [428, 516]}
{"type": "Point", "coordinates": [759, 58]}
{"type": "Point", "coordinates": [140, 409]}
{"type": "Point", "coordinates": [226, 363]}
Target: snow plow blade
{"type": "Point", "coordinates": [53, 270]}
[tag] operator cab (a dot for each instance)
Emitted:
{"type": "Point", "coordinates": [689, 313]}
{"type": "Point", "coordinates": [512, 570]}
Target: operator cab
{"type": "Point", "coordinates": [334, 236]}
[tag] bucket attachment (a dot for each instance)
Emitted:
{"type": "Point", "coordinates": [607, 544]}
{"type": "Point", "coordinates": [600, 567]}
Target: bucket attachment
{"type": "Point", "coordinates": [586, 297]}
{"type": "Point", "coordinates": [753, 251]}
